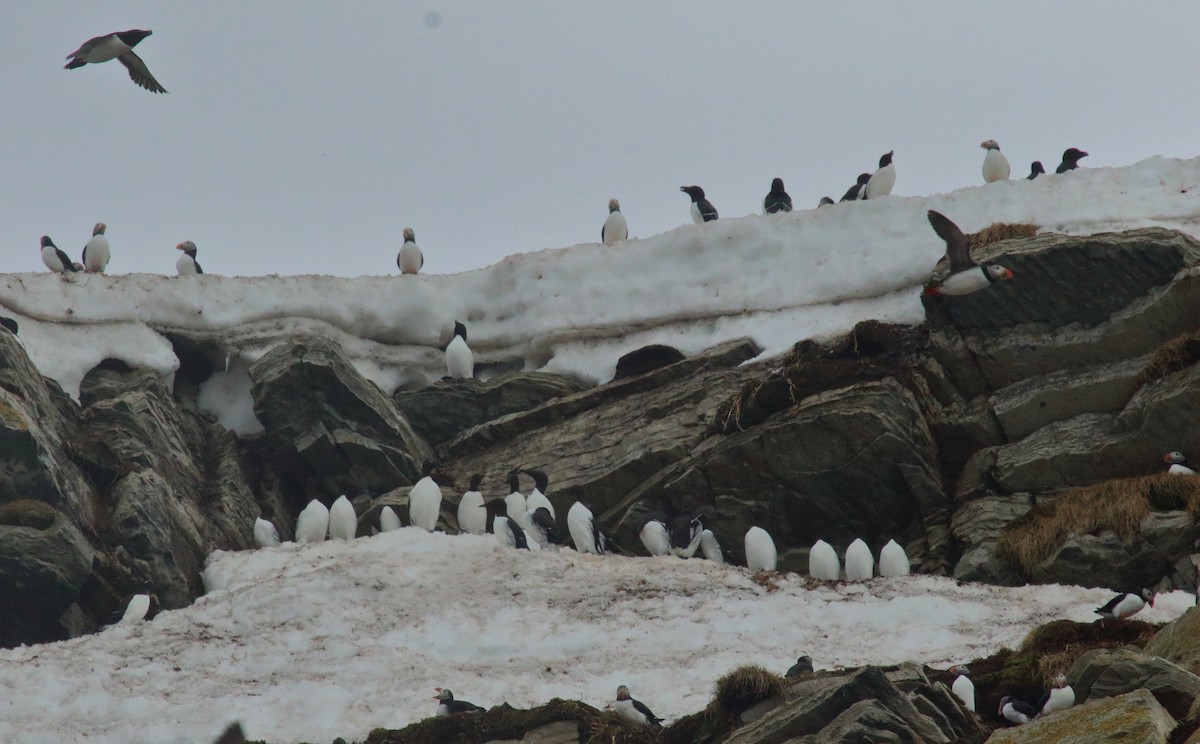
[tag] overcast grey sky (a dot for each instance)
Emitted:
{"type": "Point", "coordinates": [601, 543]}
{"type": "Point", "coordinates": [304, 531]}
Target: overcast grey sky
{"type": "Point", "coordinates": [302, 137]}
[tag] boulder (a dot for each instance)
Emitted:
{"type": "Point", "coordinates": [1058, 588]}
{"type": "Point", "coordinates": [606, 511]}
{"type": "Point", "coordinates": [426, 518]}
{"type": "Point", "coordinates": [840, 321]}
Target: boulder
{"type": "Point", "coordinates": [1104, 673]}
{"type": "Point", "coordinates": [1134, 718]}
{"type": "Point", "coordinates": [646, 359]}
{"type": "Point", "coordinates": [1179, 641]}
{"type": "Point", "coordinates": [975, 527]}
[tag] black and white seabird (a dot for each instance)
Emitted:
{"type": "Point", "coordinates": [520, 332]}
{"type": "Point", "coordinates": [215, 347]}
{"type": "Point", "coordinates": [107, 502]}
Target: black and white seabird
{"type": "Point", "coordinates": [118, 45]}
{"type": "Point", "coordinates": [1175, 463]}
{"type": "Point", "coordinates": [1035, 169]}
{"type": "Point", "coordinates": [893, 561]}
{"type": "Point", "coordinates": [447, 705]}
{"type": "Point", "coordinates": [515, 499]}
{"type": "Point", "coordinates": [614, 228]}
{"type": "Point", "coordinates": [685, 533]}
{"type": "Point", "coordinates": [543, 529]}
{"type": "Point", "coordinates": [632, 710]}
{"type": "Point", "coordinates": [882, 180]}
{"type": "Point", "coordinates": [855, 192]}
{"type": "Point", "coordinates": [471, 521]}
{"type": "Point", "coordinates": [389, 520]}
{"type": "Point", "coordinates": [136, 610]}
{"type": "Point", "coordinates": [966, 276]}
{"type": "Point", "coordinates": [777, 200]}
{"type": "Point", "coordinates": [1070, 160]}
{"type": "Point", "coordinates": [655, 536]}
{"type": "Point", "coordinates": [425, 500]}
{"type": "Point", "coordinates": [962, 687]}
{"type": "Point", "coordinates": [761, 554]}
{"type": "Point", "coordinates": [343, 521]}
{"type": "Point", "coordinates": [1060, 696]}
{"type": "Point", "coordinates": [186, 264]}
{"type": "Point", "coordinates": [55, 259]}
{"type": "Point", "coordinates": [585, 533]}
{"type": "Point", "coordinates": [702, 210]}
{"type": "Point", "coordinates": [1126, 605]}
{"type": "Point", "coordinates": [410, 260]}
{"type": "Point", "coordinates": [460, 362]}
{"type": "Point", "coordinates": [265, 533]}
{"type": "Point", "coordinates": [313, 523]}
{"type": "Point", "coordinates": [507, 530]}
{"type": "Point", "coordinates": [95, 251]}
{"type": "Point", "coordinates": [995, 165]}
{"type": "Point", "coordinates": [537, 497]}
{"type": "Point", "coordinates": [860, 562]}
{"type": "Point", "coordinates": [825, 202]}
{"type": "Point", "coordinates": [1016, 712]}
{"type": "Point", "coordinates": [803, 665]}
{"type": "Point", "coordinates": [823, 562]}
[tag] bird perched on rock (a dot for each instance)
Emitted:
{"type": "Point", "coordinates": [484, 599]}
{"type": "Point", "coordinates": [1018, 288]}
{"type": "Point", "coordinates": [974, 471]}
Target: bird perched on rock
{"type": "Point", "coordinates": [55, 259]}
{"type": "Point", "coordinates": [265, 533]}
{"type": "Point", "coordinates": [702, 210]}
{"type": "Point", "coordinates": [1016, 712]}
{"type": "Point", "coordinates": [962, 687]}
{"type": "Point", "coordinates": [1070, 160]}
{"type": "Point", "coordinates": [186, 264]}
{"type": "Point", "coordinates": [882, 180]}
{"type": "Point", "coordinates": [1059, 697]}
{"type": "Point", "coordinates": [966, 276]}
{"type": "Point", "coordinates": [995, 165]}
{"type": "Point", "coordinates": [95, 252]}
{"type": "Point", "coordinates": [615, 227]}
{"type": "Point", "coordinates": [447, 705]}
{"type": "Point", "coordinates": [855, 192]}
{"type": "Point", "coordinates": [803, 665]}
{"type": "Point", "coordinates": [1035, 169]}
{"type": "Point", "coordinates": [471, 521]}
{"type": "Point", "coordinates": [410, 260]}
{"type": "Point", "coordinates": [1126, 605]}
{"type": "Point", "coordinates": [460, 362]}
{"type": "Point", "coordinates": [1175, 460]}
{"type": "Point", "coordinates": [777, 200]}
{"type": "Point", "coordinates": [633, 711]}
{"type": "Point", "coordinates": [119, 46]}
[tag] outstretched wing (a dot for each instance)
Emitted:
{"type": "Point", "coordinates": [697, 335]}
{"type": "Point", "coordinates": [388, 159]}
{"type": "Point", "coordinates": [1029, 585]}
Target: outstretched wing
{"type": "Point", "coordinates": [139, 73]}
{"type": "Point", "coordinates": [957, 248]}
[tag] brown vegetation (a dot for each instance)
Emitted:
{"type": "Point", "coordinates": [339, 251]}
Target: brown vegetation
{"type": "Point", "coordinates": [27, 513]}
{"type": "Point", "coordinates": [998, 231]}
{"type": "Point", "coordinates": [1177, 354]}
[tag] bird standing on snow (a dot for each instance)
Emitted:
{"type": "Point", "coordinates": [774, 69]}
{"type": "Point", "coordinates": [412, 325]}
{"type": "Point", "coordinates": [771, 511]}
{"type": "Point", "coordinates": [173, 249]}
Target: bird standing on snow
{"type": "Point", "coordinates": [313, 523]}
{"type": "Point", "coordinates": [471, 521]}
{"type": "Point", "coordinates": [537, 497]}
{"type": "Point", "coordinates": [447, 705]}
{"type": "Point", "coordinates": [710, 547]}
{"type": "Point", "coordinates": [343, 522]}
{"type": "Point", "coordinates": [186, 264]}
{"type": "Point", "coordinates": [265, 533]}
{"type": "Point", "coordinates": [1035, 169]}
{"type": "Point", "coordinates": [1126, 605]}
{"type": "Point", "coordinates": [1070, 160]}
{"type": "Point", "coordinates": [685, 535]}
{"type": "Point", "coordinates": [515, 500]}
{"type": "Point", "coordinates": [823, 562]}
{"type": "Point", "coordinates": [460, 362]}
{"type": "Point", "coordinates": [507, 530]}
{"type": "Point", "coordinates": [543, 530]}
{"type": "Point", "coordinates": [118, 45]}
{"type": "Point", "coordinates": [882, 180]}
{"type": "Point", "coordinates": [777, 200]}
{"type": "Point", "coordinates": [95, 252]}
{"type": "Point", "coordinates": [995, 165]}
{"type": "Point", "coordinates": [55, 259]}
{"type": "Point", "coordinates": [632, 710]}
{"type": "Point", "coordinates": [1175, 460]}
{"type": "Point", "coordinates": [425, 500]}
{"type": "Point", "coordinates": [654, 535]}
{"type": "Point", "coordinates": [855, 192]}
{"type": "Point", "coordinates": [409, 259]}
{"type": "Point", "coordinates": [760, 550]}
{"type": "Point", "coordinates": [702, 210]}
{"type": "Point", "coordinates": [966, 276]}
{"type": "Point", "coordinates": [389, 521]}
{"type": "Point", "coordinates": [1059, 697]}
{"type": "Point", "coordinates": [585, 534]}
{"type": "Point", "coordinates": [860, 564]}
{"type": "Point", "coordinates": [136, 610]}
{"type": "Point", "coordinates": [614, 227]}
{"type": "Point", "coordinates": [1016, 712]}
{"type": "Point", "coordinates": [803, 665]}
{"type": "Point", "coordinates": [963, 688]}
{"type": "Point", "coordinates": [893, 561]}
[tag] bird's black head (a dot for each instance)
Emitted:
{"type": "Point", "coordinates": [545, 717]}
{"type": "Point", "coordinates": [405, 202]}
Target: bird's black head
{"type": "Point", "coordinates": [776, 184]}
{"type": "Point", "coordinates": [460, 330]}
{"type": "Point", "coordinates": [540, 480]}
{"type": "Point", "coordinates": [476, 479]}
{"type": "Point", "coordinates": [695, 192]}
{"type": "Point", "coordinates": [886, 159]}
{"type": "Point", "coordinates": [683, 529]}
{"type": "Point", "coordinates": [47, 242]}
{"type": "Point", "coordinates": [496, 507]}
{"type": "Point", "coordinates": [1073, 155]}
{"type": "Point", "coordinates": [9, 324]}
{"type": "Point", "coordinates": [863, 178]}
{"type": "Point", "coordinates": [514, 481]}
{"type": "Point", "coordinates": [1037, 167]}
{"type": "Point", "coordinates": [132, 36]}
{"type": "Point", "coordinates": [427, 467]}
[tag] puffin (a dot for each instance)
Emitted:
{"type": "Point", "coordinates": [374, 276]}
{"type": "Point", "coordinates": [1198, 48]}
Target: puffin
{"type": "Point", "coordinates": [633, 711]}
{"type": "Point", "coordinates": [1126, 605]}
{"type": "Point", "coordinates": [186, 265]}
{"type": "Point", "coordinates": [543, 529]}
{"type": "Point", "coordinates": [460, 363]}
{"type": "Point", "coordinates": [1175, 460]}
{"type": "Point", "coordinates": [882, 180]}
{"type": "Point", "coordinates": [803, 665]}
{"type": "Point", "coordinates": [343, 522]}
{"type": "Point", "coordinates": [265, 533]}
{"type": "Point", "coordinates": [823, 562]}
{"type": "Point", "coordinates": [1016, 712]}
{"type": "Point", "coordinates": [1070, 160]}
{"type": "Point", "coordinates": [537, 497]}
{"type": "Point", "coordinates": [471, 521]}
{"type": "Point", "coordinates": [760, 550]}
{"type": "Point", "coordinates": [963, 688]}
{"type": "Point", "coordinates": [1035, 169]}
{"type": "Point", "coordinates": [995, 165]}
{"type": "Point", "coordinates": [118, 45]}
{"type": "Point", "coordinates": [55, 259]}
{"type": "Point", "coordinates": [447, 705]}
{"type": "Point", "coordinates": [893, 561]}
{"type": "Point", "coordinates": [389, 521]}
{"type": "Point", "coordinates": [685, 533]}
{"type": "Point", "coordinates": [95, 252]}
{"type": "Point", "coordinates": [825, 202]}
{"type": "Point", "coordinates": [777, 200]}
{"type": "Point", "coordinates": [136, 610]}
{"type": "Point", "coordinates": [654, 535]}
{"type": "Point", "coordinates": [515, 499]}
{"type": "Point", "coordinates": [507, 530]}
{"type": "Point", "coordinates": [614, 228]}
{"type": "Point", "coordinates": [855, 192]}
{"type": "Point", "coordinates": [702, 210]}
{"type": "Point", "coordinates": [966, 276]}
{"type": "Point", "coordinates": [860, 563]}
{"type": "Point", "coordinates": [586, 536]}
{"type": "Point", "coordinates": [313, 523]}
{"type": "Point", "coordinates": [409, 259]}
{"type": "Point", "coordinates": [1059, 697]}
{"type": "Point", "coordinates": [425, 500]}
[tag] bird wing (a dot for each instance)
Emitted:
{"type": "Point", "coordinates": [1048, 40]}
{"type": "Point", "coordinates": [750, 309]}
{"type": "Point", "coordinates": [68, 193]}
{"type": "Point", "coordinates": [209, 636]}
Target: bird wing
{"type": "Point", "coordinates": [957, 248]}
{"type": "Point", "coordinates": [1021, 706]}
{"type": "Point", "coordinates": [1041, 703]}
{"type": "Point", "coordinates": [519, 541]}
{"type": "Point", "coordinates": [707, 210]}
{"type": "Point", "coordinates": [198, 269]}
{"type": "Point", "coordinates": [1107, 609]}
{"type": "Point", "coordinates": [640, 707]}
{"type": "Point", "coordinates": [86, 46]}
{"type": "Point", "coordinates": [66, 260]}
{"type": "Point", "coordinates": [139, 73]}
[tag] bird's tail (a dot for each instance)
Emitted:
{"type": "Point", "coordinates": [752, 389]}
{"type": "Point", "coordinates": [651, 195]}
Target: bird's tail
{"type": "Point", "coordinates": [74, 63]}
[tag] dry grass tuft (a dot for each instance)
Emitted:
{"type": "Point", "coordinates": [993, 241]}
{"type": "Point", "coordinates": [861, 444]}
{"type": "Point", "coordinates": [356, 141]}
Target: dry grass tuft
{"type": "Point", "coordinates": [1177, 354]}
{"type": "Point", "coordinates": [998, 231]}
{"type": "Point", "coordinates": [27, 513]}
{"type": "Point", "coordinates": [746, 686]}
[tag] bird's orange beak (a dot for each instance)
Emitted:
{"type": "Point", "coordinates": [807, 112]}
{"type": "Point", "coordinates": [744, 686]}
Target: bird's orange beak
{"type": "Point", "coordinates": [1008, 274]}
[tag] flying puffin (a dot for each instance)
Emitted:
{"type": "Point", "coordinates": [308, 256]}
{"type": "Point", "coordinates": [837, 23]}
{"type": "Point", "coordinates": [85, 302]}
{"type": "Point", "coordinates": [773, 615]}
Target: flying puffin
{"type": "Point", "coordinates": [471, 521]}
{"type": "Point", "coordinates": [187, 264]}
{"type": "Point", "coordinates": [55, 259]}
{"type": "Point", "coordinates": [882, 180]}
{"type": "Point", "coordinates": [265, 533]}
{"type": "Point", "coordinates": [460, 362]}
{"type": "Point", "coordinates": [409, 259]}
{"type": "Point", "coordinates": [760, 550]}
{"type": "Point", "coordinates": [118, 45]}
{"type": "Point", "coordinates": [995, 165]}
{"type": "Point", "coordinates": [654, 535]}
{"type": "Point", "coordinates": [313, 523]}
{"type": "Point", "coordinates": [893, 561]}
{"type": "Point", "coordinates": [343, 522]}
{"type": "Point", "coordinates": [515, 499]}
{"type": "Point", "coordinates": [777, 200]}
{"type": "Point", "coordinates": [1126, 605]}
{"type": "Point", "coordinates": [389, 521]}
{"type": "Point", "coordinates": [615, 227]}
{"type": "Point", "coordinates": [1059, 697]}
{"type": "Point", "coordinates": [425, 500]}
{"type": "Point", "coordinates": [823, 562]}
{"type": "Point", "coordinates": [966, 276]}
{"type": "Point", "coordinates": [507, 530]}
{"type": "Point", "coordinates": [1175, 460]}
{"type": "Point", "coordinates": [537, 497]}
{"type": "Point", "coordinates": [632, 710]}
{"type": "Point", "coordinates": [95, 252]}
{"type": "Point", "coordinates": [447, 705]}
{"type": "Point", "coordinates": [1035, 169]}
{"type": "Point", "coordinates": [855, 192]}
{"type": "Point", "coordinates": [585, 534]}
{"type": "Point", "coordinates": [1070, 160]}
{"type": "Point", "coordinates": [702, 210]}
{"type": "Point", "coordinates": [803, 665]}
{"type": "Point", "coordinates": [963, 688]}
{"type": "Point", "coordinates": [860, 563]}
{"type": "Point", "coordinates": [1016, 712]}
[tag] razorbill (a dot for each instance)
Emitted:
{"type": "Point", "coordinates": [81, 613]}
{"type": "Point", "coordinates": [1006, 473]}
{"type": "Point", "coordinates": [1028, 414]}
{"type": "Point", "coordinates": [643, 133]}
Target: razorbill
{"type": "Point", "coordinates": [118, 45]}
{"type": "Point", "coordinates": [460, 363]}
{"type": "Point", "coordinates": [508, 531]}
{"type": "Point", "coordinates": [893, 561]}
{"type": "Point", "coordinates": [823, 562]}
{"type": "Point", "coordinates": [1035, 169]}
{"type": "Point", "coordinates": [855, 192]}
{"type": "Point", "coordinates": [537, 497]}
{"type": "Point", "coordinates": [95, 251]}
{"type": "Point", "coordinates": [777, 200]}
{"type": "Point", "coordinates": [186, 264]}
{"type": "Point", "coordinates": [265, 533]}
{"type": "Point", "coordinates": [685, 532]}
{"type": "Point", "coordinates": [655, 536]}
{"type": "Point", "coordinates": [995, 165]}
{"type": "Point", "coordinates": [710, 547]}
{"type": "Point", "coordinates": [1070, 160]}
{"type": "Point", "coordinates": [447, 705]}
{"type": "Point", "coordinates": [1126, 605]}
{"type": "Point", "coordinates": [803, 665]}
{"type": "Point", "coordinates": [471, 521]}
{"type": "Point", "coordinates": [966, 276]}
{"type": "Point", "coordinates": [55, 259]}
{"type": "Point", "coordinates": [963, 688]}
{"type": "Point", "coordinates": [1175, 460]}
{"type": "Point", "coordinates": [588, 537]}
{"type": "Point", "coordinates": [389, 521]}
{"type": "Point", "coordinates": [515, 499]}
{"type": "Point", "coordinates": [860, 564]}
{"type": "Point", "coordinates": [632, 710]}
{"type": "Point", "coordinates": [702, 210]}
{"type": "Point", "coordinates": [825, 202]}
{"type": "Point", "coordinates": [614, 227]}
{"type": "Point", "coordinates": [1059, 697]}
{"type": "Point", "coordinates": [543, 529]}
{"type": "Point", "coordinates": [136, 610]}
{"type": "Point", "coordinates": [425, 500]}
{"type": "Point", "coordinates": [409, 259]}
{"type": "Point", "coordinates": [882, 180]}
{"type": "Point", "coordinates": [343, 522]}
{"type": "Point", "coordinates": [313, 523]}
{"type": "Point", "coordinates": [760, 550]}
{"type": "Point", "coordinates": [1016, 712]}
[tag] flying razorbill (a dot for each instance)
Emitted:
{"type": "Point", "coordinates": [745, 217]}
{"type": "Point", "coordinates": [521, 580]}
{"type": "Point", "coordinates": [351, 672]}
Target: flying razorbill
{"type": "Point", "coordinates": [966, 276]}
{"type": "Point", "coordinates": [702, 209]}
{"type": "Point", "coordinates": [118, 45]}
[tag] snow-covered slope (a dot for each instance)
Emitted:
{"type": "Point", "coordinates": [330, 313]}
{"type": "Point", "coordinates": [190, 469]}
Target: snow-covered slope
{"type": "Point", "coordinates": [778, 278]}
{"type": "Point", "coordinates": [309, 642]}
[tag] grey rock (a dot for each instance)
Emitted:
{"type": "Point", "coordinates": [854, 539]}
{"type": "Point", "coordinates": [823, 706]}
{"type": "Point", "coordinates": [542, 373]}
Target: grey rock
{"type": "Point", "coordinates": [975, 526]}
{"type": "Point", "coordinates": [1104, 673]}
{"type": "Point", "coordinates": [1179, 641]}
{"type": "Point", "coordinates": [646, 359]}
{"type": "Point", "coordinates": [42, 572]}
